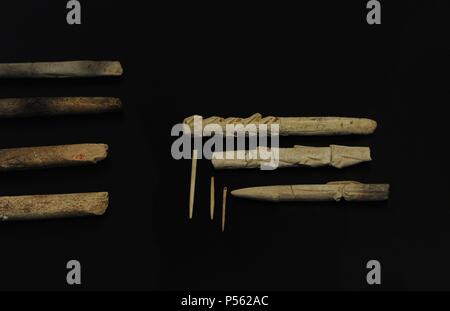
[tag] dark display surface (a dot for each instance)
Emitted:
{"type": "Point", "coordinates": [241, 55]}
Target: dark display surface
{"type": "Point", "coordinates": [287, 59]}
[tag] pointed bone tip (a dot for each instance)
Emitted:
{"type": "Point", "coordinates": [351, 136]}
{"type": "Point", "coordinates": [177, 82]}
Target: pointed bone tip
{"type": "Point", "coordinates": [237, 193]}
{"type": "Point", "coordinates": [245, 193]}
{"type": "Point", "coordinates": [215, 163]}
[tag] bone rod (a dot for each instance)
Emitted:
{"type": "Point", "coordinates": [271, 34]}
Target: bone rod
{"type": "Point", "coordinates": [193, 182]}
{"type": "Point", "coordinates": [224, 207]}
{"type": "Point", "coordinates": [212, 198]}
{"type": "Point", "coordinates": [333, 191]}
{"type": "Point", "coordinates": [295, 126]}
{"type": "Point", "coordinates": [299, 156]}
{"type": "Point", "coordinates": [33, 207]}
{"type": "Point", "coordinates": [55, 106]}
{"type": "Point", "coordinates": [51, 156]}
{"type": "Point", "coordinates": [62, 69]}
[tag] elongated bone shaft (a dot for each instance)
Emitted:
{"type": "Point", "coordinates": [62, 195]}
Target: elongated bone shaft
{"type": "Point", "coordinates": [52, 156]}
{"type": "Point", "coordinates": [53, 206]}
{"type": "Point", "coordinates": [336, 156]}
{"type": "Point", "coordinates": [333, 191]}
{"type": "Point", "coordinates": [224, 207]}
{"type": "Point", "coordinates": [193, 183]}
{"type": "Point", "coordinates": [296, 126]}
{"type": "Point", "coordinates": [54, 106]}
{"type": "Point", "coordinates": [212, 198]}
{"type": "Point", "coordinates": [70, 69]}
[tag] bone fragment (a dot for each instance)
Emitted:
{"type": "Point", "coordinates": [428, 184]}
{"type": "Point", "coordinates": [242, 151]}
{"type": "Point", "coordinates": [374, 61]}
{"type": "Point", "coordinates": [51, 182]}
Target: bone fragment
{"type": "Point", "coordinates": [212, 198]}
{"type": "Point", "coordinates": [224, 207]}
{"type": "Point", "coordinates": [54, 106]}
{"type": "Point", "coordinates": [65, 69]}
{"type": "Point", "coordinates": [34, 207]}
{"type": "Point", "coordinates": [53, 156]}
{"type": "Point", "coordinates": [299, 156]}
{"type": "Point", "coordinates": [333, 191]}
{"type": "Point", "coordinates": [193, 181]}
{"type": "Point", "coordinates": [295, 126]}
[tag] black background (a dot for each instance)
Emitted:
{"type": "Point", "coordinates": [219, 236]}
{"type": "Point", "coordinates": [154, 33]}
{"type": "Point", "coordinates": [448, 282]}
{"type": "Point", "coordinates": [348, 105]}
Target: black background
{"type": "Point", "coordinates": [288, 58]}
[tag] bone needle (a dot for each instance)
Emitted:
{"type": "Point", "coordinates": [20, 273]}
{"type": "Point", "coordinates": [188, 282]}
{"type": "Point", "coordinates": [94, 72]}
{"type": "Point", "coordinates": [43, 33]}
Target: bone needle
{"type": "Point", "coordinates": [193, 178]}
{"type": "Point", "coordinates": [212, 204]}
{"type": "Point", "coordinates": [224, 207]}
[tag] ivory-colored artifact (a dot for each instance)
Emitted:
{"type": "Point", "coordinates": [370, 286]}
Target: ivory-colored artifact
{"type": "Point", "coordinates": [52, 156]}
{"type": "Point", "coordinates": [333, 191]}
{"type": "Point", "coordinates": [65, 69]}
{"type": "Point", "coordinates": [53, 206]}
{"type": "Point", "coordinates": [295, 126]}
{"type": "Point", "coordinates": [54, 106]}
{"type": "Point", "coordinates": [193, 181]}
{"type": "Point", "coordinates": [212, 198]}
{"type": "Point", "coordinates": [224, 207]}
{"type": "Point", "coordinates": [336, 156]}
